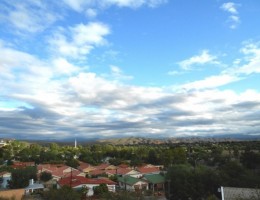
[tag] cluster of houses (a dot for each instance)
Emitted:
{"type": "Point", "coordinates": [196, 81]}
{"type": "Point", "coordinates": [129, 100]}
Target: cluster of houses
{"type": "Point", "coordinates": [146, 177]}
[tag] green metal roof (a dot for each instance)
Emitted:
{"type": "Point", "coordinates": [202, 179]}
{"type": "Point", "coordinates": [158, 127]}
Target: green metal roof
{"type": "Point", "coordinates": [129, 180]}
{"type": "Point", "coordinates": [154, 178]}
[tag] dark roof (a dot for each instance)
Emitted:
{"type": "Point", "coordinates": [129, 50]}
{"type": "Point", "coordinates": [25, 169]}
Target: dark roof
{"type": "Point", "coordinates": [154, 178]}
{"type": "Point", "coordinates": [232, 193]}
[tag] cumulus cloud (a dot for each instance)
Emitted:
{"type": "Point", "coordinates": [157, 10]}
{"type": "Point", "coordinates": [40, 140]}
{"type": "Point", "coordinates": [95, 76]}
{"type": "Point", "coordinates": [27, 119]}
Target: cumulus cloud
{"type": "Point", "coordinates": [28, 16]}
{"type": "Point", "coordinates": [90, 105]}
{"type": "Point", "coordinates": [252, 53]}
{"type": "Point", "coordinates": [77, 41]}
{"type": "Point", "coordinates": [211, 82]}
{"type": "Point", "coordinates": [231, 8]}
{"type": "Point", "coordinates": [59, 97]}
{"type": "Point", "coordinates": [203, 58]}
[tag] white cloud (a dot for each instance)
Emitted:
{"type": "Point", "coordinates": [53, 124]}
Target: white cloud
{"type": "Point", "coordinates": [252, 53]}
{"type": "Point", "coordinates": [76, 5]}
{"type": "Point", "coordinates": [81, 5]}
{"type": "Point", "coordinates": [28, 16]}
{"type": "Point", "coordinates": [234, 19]}
{"type": "Point", "coordinates": [117, 74]}
{"type": "Point", "coordinates": [201, 59]}
{"type": "Point", "coordinates": [230, 7]}
{"type": "Point", "coordinates": [62, 66]}
{"type": "Point", "coordinates": [78, 41]}
{"type": "Point", "coordinates": [91, 13]}
{"type": "Point", "coordinates": [211, 82]}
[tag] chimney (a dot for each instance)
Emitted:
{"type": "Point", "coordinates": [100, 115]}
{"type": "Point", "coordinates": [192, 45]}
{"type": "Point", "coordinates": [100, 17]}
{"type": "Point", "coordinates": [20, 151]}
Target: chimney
{"type": "Point", "coordinates": [31, 182]}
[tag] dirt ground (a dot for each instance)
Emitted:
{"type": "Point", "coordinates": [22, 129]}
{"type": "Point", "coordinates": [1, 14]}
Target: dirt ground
{"type": "Point", "coordinates": [18, 193]}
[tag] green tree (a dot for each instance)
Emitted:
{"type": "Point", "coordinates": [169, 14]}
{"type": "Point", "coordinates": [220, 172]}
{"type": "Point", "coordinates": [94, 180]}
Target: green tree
{"type": "Point", "coordinates": [101, 190]}
{"type": "Point", "coordinates": [65, 193]}
{"type": "Point", "coordinates": [45, 176]}
{"type": "Point", "coordinates": [72, 163]}
{"type": "Point", "coordinates": [20, 177]}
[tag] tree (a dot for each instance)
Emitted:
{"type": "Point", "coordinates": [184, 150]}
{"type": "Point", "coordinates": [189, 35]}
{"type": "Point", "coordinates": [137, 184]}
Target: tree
{"type": "Point", "coordinates": [185, 181]}
{"type": "Point", "coordinates": [45, 176]}
{"type": "Point", "coordinates": [20, 177]}
{"type": "Point", "coordinates": [101, 189]}
{"type": "Point", "coordinates": [72, 163]}
{"type": "Point", "coordinates": [65, 193]}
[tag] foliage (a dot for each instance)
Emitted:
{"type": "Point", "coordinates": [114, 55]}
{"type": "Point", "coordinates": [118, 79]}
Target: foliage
{"type": "Point", "coordinates": [64, 193]}
{"type": "Point", "coordinates": [185, 181]}
{"type": "Point", "coordinates": [72, 163]}
{"type": "Point", "coordinates": [101, 190]}
{"type": "Point", "coordinates": [45, 176]}
{"type": "Point", "coordinates": [20, 177]}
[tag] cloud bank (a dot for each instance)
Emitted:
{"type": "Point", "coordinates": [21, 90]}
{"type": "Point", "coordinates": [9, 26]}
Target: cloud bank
{"type": "Point", "coordinates": [59, 96]}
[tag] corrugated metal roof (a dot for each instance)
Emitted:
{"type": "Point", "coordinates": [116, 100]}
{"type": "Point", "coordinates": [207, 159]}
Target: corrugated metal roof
{"type": "Point", "coordinates": [154, 178]}
{"type": "Point", "coordinates": [232, 193]}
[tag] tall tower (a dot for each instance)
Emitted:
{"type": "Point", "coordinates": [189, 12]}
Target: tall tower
{"type": "Point", "coordinates": [75, 143]}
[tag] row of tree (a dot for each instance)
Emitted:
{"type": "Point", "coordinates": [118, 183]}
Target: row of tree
{"type": "Point", "coordinates": [211, 154]}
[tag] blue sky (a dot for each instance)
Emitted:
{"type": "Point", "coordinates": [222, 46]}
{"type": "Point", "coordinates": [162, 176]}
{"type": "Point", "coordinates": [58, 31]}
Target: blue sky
{"type": "Point", "coordinates": [119, 68]}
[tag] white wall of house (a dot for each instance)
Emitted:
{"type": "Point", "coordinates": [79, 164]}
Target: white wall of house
{"type": "Point", "coordinates": [6, 178]}
{"type": "Point", "coordinates": [139, 184]}
{"type": "Point", "coordinates": [111, 188]}
{"type": "Point", "coordinates": [134, 173]}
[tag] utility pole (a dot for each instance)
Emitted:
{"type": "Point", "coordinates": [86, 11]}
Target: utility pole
{"type": "Point", "coordinates": [169, 189]}
{"type": "Point", "coordinates": [70, 176]}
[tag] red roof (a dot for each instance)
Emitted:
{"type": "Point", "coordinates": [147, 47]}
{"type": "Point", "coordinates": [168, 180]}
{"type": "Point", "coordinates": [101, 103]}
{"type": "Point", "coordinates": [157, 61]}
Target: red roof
{"type": "Point", "coordinates": [25, 164]}
{"type": "Point", "coordinates": [79, 180]}
{"type": "Point", "coordinates": [120, 171]}
{"type": "Point", "coordinates": [102, 166]}
{"type": "Point", "coordinates": [59, 171]}
{"type": "Point", "coordinates": [97, 172]}
{"type": "Point", "coordinates": [147, 170]}
{"type": "Point", "coordinates": [123, 166]}
{"type": "Point", "coordinates": [83, 166]}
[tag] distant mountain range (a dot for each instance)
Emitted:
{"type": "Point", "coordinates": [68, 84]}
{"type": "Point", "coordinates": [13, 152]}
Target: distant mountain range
{"type": "Point", "coordinates": [152, 141]}
{"type": "Point", "coordinates": [142, 140]}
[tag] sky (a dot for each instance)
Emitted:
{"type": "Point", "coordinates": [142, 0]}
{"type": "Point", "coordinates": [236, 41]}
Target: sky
{"type": "Point", "coordinates": [119, 68]}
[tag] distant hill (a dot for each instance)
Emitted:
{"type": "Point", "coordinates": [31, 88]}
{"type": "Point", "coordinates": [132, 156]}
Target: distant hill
{"type": "Point", "coordinates": [151, 141]}
{"type": "Point", "coordinates": [156, 141]}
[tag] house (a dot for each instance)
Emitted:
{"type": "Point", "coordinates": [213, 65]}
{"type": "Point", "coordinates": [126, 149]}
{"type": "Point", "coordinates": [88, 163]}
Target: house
{"type": "Point", "coordinates": [232, 193]}
{"type": "Point", "coordinates": [155, 181]}
{"type": "Point", "coordinates": [85, 167]}
{"type": "Point", "coordinates": [123, 166]}
{"type": "Point", "coordinates": [132, 184]}
{"type": "Point", "coordinates": [5, 177]}
{"type": "Point", "coordinates": [116, 172]}
{"type": "Point", "coordinates": [33, 187]}
{"type": "Point", "coordinates": [149, 170]}
{"type": "Point", "coordinates": [78, 182]}
{"type": "Point", "coordinates": [59, 171]}
{"type": "Point", "coordinates": [124, 172]}
{"type": "Point", "coordinates": [105, 166]}
{"type": "Point", "coordinates": [17, 165]}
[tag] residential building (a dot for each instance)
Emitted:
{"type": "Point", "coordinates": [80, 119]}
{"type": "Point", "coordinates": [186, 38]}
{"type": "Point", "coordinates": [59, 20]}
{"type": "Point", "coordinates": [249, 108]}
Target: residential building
{"type": "Point", "coordinates": [156, 182]}
{"type": "Point", "coordinates": [132, 184]}
{"type": "Point", "coordinates": [5, 177]}
{"type": "Point", "coordinates": [233, 193]}
{"type": "Point", "coordinates": [32, 187]}
{"type": "Point", "coordinates": [78, 182]}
